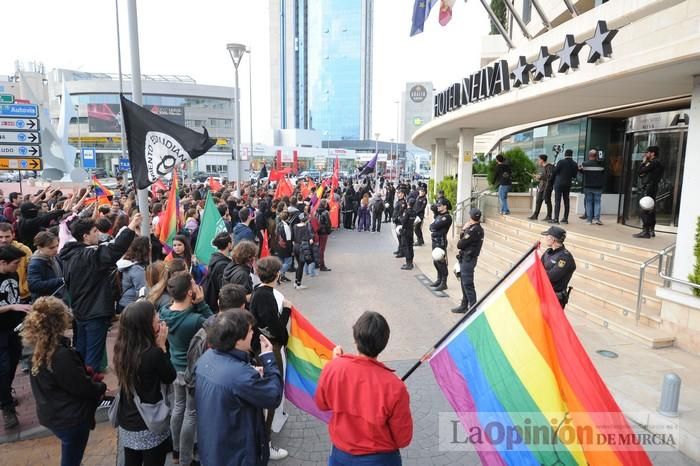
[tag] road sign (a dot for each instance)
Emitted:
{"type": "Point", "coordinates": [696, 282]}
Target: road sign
{"type": "Point", "coordinates": [124, 165]}
{"type": "Point", "coordinates": [33, 163]}
{"type": "Point", "coordinates": [19, 110]}
{"type": "Point", "coordinates": [88, 155]}
{"type": "Point", "coordinates": [7, 99]}
{"type": "Point", "coordinates": [22, 124]}
{"type": "Point", "coordinates": [19, 137]}
{"type": "Point", "coordinates": [20, 151]}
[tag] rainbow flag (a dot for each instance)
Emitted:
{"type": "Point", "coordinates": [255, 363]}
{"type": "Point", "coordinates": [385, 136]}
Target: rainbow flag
{"type": "Point", "coordinates": [307, 352]}
{"type": "Point", "coordinates": [516, 366]}
{"type": "Point", "coordinates": [169, 217]}
{"type": "Point", "coordinates": [100, 189]}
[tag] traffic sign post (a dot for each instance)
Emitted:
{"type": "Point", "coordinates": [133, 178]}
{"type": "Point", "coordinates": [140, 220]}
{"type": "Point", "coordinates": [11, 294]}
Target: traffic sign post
{"type": "Point", "coordinates": [19, 110]}
{"type": "Point", "coordinates": [124, 165]}
{"type": "Point", "coordinates": [19, 137]}
{"type": "Point", "coordinates": [88, 156]}
{"type": "Point", "coordinates": [19, 124]}
{"type": "Point", "coordinates": [7, 99]}
{"type": "Point", "coordinates": [33, 163]}
{"type": "Point", "coordinates": [20, 151]}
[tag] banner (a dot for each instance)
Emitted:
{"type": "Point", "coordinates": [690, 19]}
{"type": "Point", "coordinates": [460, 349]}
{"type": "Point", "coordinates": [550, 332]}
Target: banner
{"type": "Point", "coordinates": [104, 118]}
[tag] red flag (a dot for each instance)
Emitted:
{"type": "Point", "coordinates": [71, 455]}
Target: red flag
{"type": "Point", "coordinates": [334, 212]}
{"type": "Point", "coordinates": [214, 185]}
{"type": "Point", "coordinates": [276, 175]}
{"type": "Point", "coordinates": [284, 188]}
{"type": "Point", "coordinates": [445, 11]}
{"type": "Point", "coordinates": [158, 186]}
{"type": "Point", "coordinates": [278, 161]}
{"type": "Point", "coordinates": [335, 178]}
{"type": "Point", "coordinates": [295, 164]}
{"type": "Point", "coordinates": [264, 247]}
{"type": "Point", "coordinates": [305, 189]}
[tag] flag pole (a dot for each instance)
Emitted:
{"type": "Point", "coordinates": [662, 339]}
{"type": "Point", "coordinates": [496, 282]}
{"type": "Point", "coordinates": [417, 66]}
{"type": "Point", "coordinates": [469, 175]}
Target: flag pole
{"type": "Point", "coordinates": [471, 310]}
{"type": "Point", "coordinates": [137, 98]}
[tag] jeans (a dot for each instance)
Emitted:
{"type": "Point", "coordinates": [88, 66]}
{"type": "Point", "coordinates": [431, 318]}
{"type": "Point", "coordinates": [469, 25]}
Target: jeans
{"type": "Point", "coordinates": [377, 222]}
{"type": "Point", "coordinates": [286, 264]}
{"type": "Point", "coordinates": [183, 420]}
{"type": "Point", "coordinates": [10, 353]}
{"type": "Point", "coordinates": [466, 277]}
{"type": "Point", "coordinates": [592, 200]}
{"type": "Point", "coordinates": [561, 192]}
{"type": "Point", "coordinates": [73, 443]}
{"type": "Point", "coordinates": [90, 341]}
{"type": "Point", "coordinates": [503, 198]}
{"type": "Point", "coordinates": [300, 270]}
{"type": "Point", "coordinates": [310, 269]}
{"type": "Point", "coordinates": [341, 458]}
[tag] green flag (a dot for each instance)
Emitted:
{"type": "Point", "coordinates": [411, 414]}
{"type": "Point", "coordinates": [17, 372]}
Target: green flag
{"type": "Point", "coordinates": [211, 225]}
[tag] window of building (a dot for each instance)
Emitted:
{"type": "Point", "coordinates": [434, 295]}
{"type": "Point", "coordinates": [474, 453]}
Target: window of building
{"type": "Point", "coordinates": [216, 168]}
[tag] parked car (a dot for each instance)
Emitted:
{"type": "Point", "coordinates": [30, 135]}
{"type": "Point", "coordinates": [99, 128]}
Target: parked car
{"type": "Point", "coordinates": [313, 174]}
{"type": "Point", "coordinates": [98, 173]}
{"type": "Point", "coordinates": [199, 176]}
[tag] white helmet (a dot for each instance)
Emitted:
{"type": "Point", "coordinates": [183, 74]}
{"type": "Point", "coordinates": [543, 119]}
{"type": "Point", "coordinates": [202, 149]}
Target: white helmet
{"type": "Point", "coordinates": [646, 203]}
{"type": "Point", "coordinates": [417, 221]}
{"type": "Point", "coordinates": [457, 271]}
{"type": "Point", "coordinates": [387, 205]}
{"type": "Point", "coordinates": [398, 229]}
{"type": "Point", "coordinates": [438, 254]}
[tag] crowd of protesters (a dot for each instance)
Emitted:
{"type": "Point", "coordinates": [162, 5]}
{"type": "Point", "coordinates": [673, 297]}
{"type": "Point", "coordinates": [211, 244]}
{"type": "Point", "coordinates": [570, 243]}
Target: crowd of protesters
{"type": "Point", "coordinates": [199, 351]}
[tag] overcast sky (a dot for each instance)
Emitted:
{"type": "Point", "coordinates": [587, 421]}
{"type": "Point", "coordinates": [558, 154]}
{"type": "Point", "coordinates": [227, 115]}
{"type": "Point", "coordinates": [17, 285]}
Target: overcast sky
{"type": "Point", "coordinates": [189, 37]}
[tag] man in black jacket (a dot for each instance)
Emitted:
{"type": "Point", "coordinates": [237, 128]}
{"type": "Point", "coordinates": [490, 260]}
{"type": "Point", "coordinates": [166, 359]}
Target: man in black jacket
{"type": "Point", "coordinates": [504, 180]}
{"type": "Point", "coordinates": [324, 230]}
{"type": "Point", "coordinates": [593, 183]}
{"type": "Point", "coordinates": [421, 204]}
{"type": "Point", "coordinates": [217, 264]}
{"type": "Point", "coordinates": [650, 173]}
{"type": "Point", "coordinates": [32, 223]}
{"type": "Point", "coordinates": [389, 200]}
{"type": "Point", "coordinates": [89, 271]}
{"type": "Point", "coordinates": [564, 172]}
{"type": "Point", "coordinates": [398, 211]}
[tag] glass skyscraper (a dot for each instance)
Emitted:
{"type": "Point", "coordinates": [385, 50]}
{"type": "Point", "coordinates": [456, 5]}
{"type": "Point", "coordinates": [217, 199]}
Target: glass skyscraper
{"type": "Point", "coordinates": [321, 63]}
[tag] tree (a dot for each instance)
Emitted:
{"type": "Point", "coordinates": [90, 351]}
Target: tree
{"type": "Point", "coordinates": [522, 167]}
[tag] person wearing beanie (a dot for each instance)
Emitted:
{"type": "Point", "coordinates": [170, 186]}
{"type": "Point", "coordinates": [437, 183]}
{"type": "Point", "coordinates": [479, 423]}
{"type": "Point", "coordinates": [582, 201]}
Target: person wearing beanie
{"type": "Point", "coordinates": [32, 223]}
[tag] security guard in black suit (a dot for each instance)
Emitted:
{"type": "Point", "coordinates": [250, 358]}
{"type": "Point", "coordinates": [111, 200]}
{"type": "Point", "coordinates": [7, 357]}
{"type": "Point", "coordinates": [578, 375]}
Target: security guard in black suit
{"type": "Point", "coordinates": [438, 236]}
{"type": "Point", "coordinates": [399, 209]}
{"type": "Point", "coordinates": [471, 239]}
{"type": "Point", "coordinates": [558, 262]}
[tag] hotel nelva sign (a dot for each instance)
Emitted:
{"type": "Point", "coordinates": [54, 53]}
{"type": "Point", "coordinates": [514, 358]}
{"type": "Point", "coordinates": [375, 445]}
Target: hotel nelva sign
{"type": "Point", "coordinates": [496, 79]}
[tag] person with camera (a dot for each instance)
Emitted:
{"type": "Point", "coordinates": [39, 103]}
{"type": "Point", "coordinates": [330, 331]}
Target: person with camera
{"type": "Point", "coordinates": [471, 239]}
{"type": "Point", "coordinates": [558, 262]}
{"type": "Point", "coordinates": [544, 187]}
{"type": "Point", "coordinates": [438, 238]}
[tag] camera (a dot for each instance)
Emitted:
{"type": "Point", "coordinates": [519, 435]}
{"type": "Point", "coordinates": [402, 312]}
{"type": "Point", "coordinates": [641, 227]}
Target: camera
{"type": "Point", "coordinates": [557, 148]}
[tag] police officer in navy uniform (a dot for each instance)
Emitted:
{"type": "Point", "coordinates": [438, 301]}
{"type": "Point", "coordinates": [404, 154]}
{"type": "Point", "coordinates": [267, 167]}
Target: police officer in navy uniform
{"type": "Point", "coordinates": [408, 219]}
{"type": "Point", "coordinates": [558, 262]}
{"type": "Point", "coordinates": [421, 204]}
{"type": "Point", "coordinates": [438, 237]}
{"type": "Point", "coordinates": [471, 239]}
{"type": "Point", "coordinates": [399, 207]}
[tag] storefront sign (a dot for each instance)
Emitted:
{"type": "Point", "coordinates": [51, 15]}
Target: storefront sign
{"type": "Point", "coordinates": [656, 121]}
{"type": "Point", "coordinates": [496, 79]}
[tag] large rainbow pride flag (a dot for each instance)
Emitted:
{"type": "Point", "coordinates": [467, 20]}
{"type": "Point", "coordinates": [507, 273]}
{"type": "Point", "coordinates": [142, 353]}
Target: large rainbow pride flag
{"type": "Point", "coordinates": [308, 350]}
{"type": "Point", "coordinates": [516, 367]}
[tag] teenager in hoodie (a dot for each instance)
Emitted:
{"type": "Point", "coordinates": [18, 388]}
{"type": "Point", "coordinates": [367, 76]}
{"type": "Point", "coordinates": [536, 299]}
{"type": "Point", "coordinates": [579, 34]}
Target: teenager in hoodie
{"type": "Point", "coordinates": [217, 264]}
{"type": "Point", "coordinates": [184, 317]}
{"type": "Point", "coordinates": [132, 268]}
{"type": "Point", "coordinates": [45, 273]}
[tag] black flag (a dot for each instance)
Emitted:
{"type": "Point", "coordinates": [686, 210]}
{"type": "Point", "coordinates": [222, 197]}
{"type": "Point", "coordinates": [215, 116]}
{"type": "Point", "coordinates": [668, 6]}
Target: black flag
{"type": "Point", "coordinates": [263, 172]}
{"type": "Point", "coordinates": [369, 167]}
{"type": "Point", "coordinates": [157, 145]}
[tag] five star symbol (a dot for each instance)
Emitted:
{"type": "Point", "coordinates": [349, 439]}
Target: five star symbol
{"type": "Point", "coordinates": [600, 42]}
{"type": "Point", "coordinates": [543, 64]}
{"type": "Point", "coordinates": [568, 55]}
{"type": "Point", "coordinates": [521, 73]}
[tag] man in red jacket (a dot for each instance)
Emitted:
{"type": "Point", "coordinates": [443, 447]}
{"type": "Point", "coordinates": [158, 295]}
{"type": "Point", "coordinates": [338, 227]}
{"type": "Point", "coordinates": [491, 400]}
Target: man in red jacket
{"type": "Point", "coordinates": [374, 423]}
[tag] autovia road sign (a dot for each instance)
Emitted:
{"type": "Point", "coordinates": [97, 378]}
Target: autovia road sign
{"type": "Point", "coordinates": [19, 137]}
{"type": "Point", "coordinates": [20, 151]}
{"type": "Point", "coordinates": [19, 110]}
{"type": "Point", "coordinates": [33, 163]}
{"type": "Point", "coordinates": [21, 124]}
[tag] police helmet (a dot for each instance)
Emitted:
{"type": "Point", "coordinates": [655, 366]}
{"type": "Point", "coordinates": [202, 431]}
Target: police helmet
{"type": "Point", "coordinates": [646, 203]}
{"type": "Point", "coordinates": [438, 254]}
{"type": "Point", "coordinates": [457, 271]}
{"type": "Point", "coordinates": [398, 229]}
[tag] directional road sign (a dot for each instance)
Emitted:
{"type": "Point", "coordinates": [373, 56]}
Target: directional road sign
{"type": "Point", "coordinates": [19, 137]}
{"type": "Point", "coordinates": [20, 151]}
{"type": "Point", "coordinates": [88, 155]}
{"type": "Point", "coordinates": [7, 99]}
{"type": "Point", "coordinates": [19, 110]}
{"type": "Point", "coordinates": [33, 163]}
{"type": "Point", "coordinates": [21, 124]}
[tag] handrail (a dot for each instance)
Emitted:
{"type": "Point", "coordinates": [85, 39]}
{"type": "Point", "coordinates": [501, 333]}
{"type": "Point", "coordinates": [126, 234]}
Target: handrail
{"type": "Point", "coordinates": [461, 205]}
{"type": "Point", "coordinates": [642, 272]}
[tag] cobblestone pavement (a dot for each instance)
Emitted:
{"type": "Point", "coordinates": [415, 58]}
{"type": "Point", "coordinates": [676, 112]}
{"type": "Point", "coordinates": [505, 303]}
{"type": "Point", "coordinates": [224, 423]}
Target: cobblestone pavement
{"type": "Point", "coordinates": [365, 276]}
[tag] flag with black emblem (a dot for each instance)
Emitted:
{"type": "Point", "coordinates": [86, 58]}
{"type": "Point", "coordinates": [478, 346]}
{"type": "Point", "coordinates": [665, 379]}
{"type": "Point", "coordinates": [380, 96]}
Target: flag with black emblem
{"type": "Point", "coordinates": [156, 145]}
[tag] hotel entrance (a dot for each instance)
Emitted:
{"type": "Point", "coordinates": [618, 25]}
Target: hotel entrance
{"type": "Point", "coordinates": [668, 131]}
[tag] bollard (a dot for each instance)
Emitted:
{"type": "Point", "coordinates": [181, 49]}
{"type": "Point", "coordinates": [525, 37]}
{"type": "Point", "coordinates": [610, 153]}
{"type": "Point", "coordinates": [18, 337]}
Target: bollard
{"type": "Point", "coordinates": [670, 393]}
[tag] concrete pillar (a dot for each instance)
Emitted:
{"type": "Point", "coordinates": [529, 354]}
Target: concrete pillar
{"type": "Point", "coordinates": [684, 259]}
{"type": "Point", "coordinates": [464, 164]}
{"type": "Point", "coordinates": [440, 161]}
{"type": "Point", "coordinates": [433, 165]}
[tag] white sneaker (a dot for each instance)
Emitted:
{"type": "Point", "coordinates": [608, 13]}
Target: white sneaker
{"type": "Point", "coordinates": [278, 453]}
{"type": "Point", "coordinates": [299, 287]}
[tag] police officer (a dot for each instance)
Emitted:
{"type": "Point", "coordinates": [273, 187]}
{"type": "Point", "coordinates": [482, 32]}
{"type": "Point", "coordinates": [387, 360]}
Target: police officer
{"type": "Point", "coordinates": [421, 204]}
{"type": "Point", "coordinates": [408, 218]}
{"type": "Point", "coordinates": [470, 241]}
{"type": "Point", "coordinates": [438, 236]}
{"type": "Point", "coordinates": [558, 262]}
{"type": "Point", "coordinates": [399, 207]}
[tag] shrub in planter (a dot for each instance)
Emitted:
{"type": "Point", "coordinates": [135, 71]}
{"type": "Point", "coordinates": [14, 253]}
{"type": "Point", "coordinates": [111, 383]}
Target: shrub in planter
{"type": "Point", "coordinates": [523, 170]}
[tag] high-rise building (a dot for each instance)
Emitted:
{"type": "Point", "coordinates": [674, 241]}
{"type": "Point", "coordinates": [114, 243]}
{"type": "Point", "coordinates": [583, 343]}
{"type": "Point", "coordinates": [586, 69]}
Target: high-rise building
{"type": "Point", "coordinates": [321, 66]}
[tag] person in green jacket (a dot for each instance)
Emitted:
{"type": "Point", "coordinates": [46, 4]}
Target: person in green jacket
{"type": "Point", "coordinates": [184, 317]}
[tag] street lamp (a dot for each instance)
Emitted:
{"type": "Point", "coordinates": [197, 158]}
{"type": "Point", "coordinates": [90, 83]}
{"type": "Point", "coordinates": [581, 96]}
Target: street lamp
{"type": "Point", "coordinates": [236, 51]}
{"type": "Point", "coordinates": [250, 98]}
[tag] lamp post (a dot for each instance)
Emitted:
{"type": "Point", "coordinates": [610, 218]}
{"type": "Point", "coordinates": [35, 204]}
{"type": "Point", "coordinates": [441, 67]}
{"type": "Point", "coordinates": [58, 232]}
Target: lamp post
{"type": "Point", "coordinates": [236, 51]}
{"type": "Point", "coordinates": [250, 98]}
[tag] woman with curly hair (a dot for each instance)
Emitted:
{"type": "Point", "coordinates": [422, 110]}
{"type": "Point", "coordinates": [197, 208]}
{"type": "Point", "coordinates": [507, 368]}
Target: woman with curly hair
{"type": "Point", "coordinates": [66, 394]}
{"type": "Point", "coordinates": [142, 366]}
